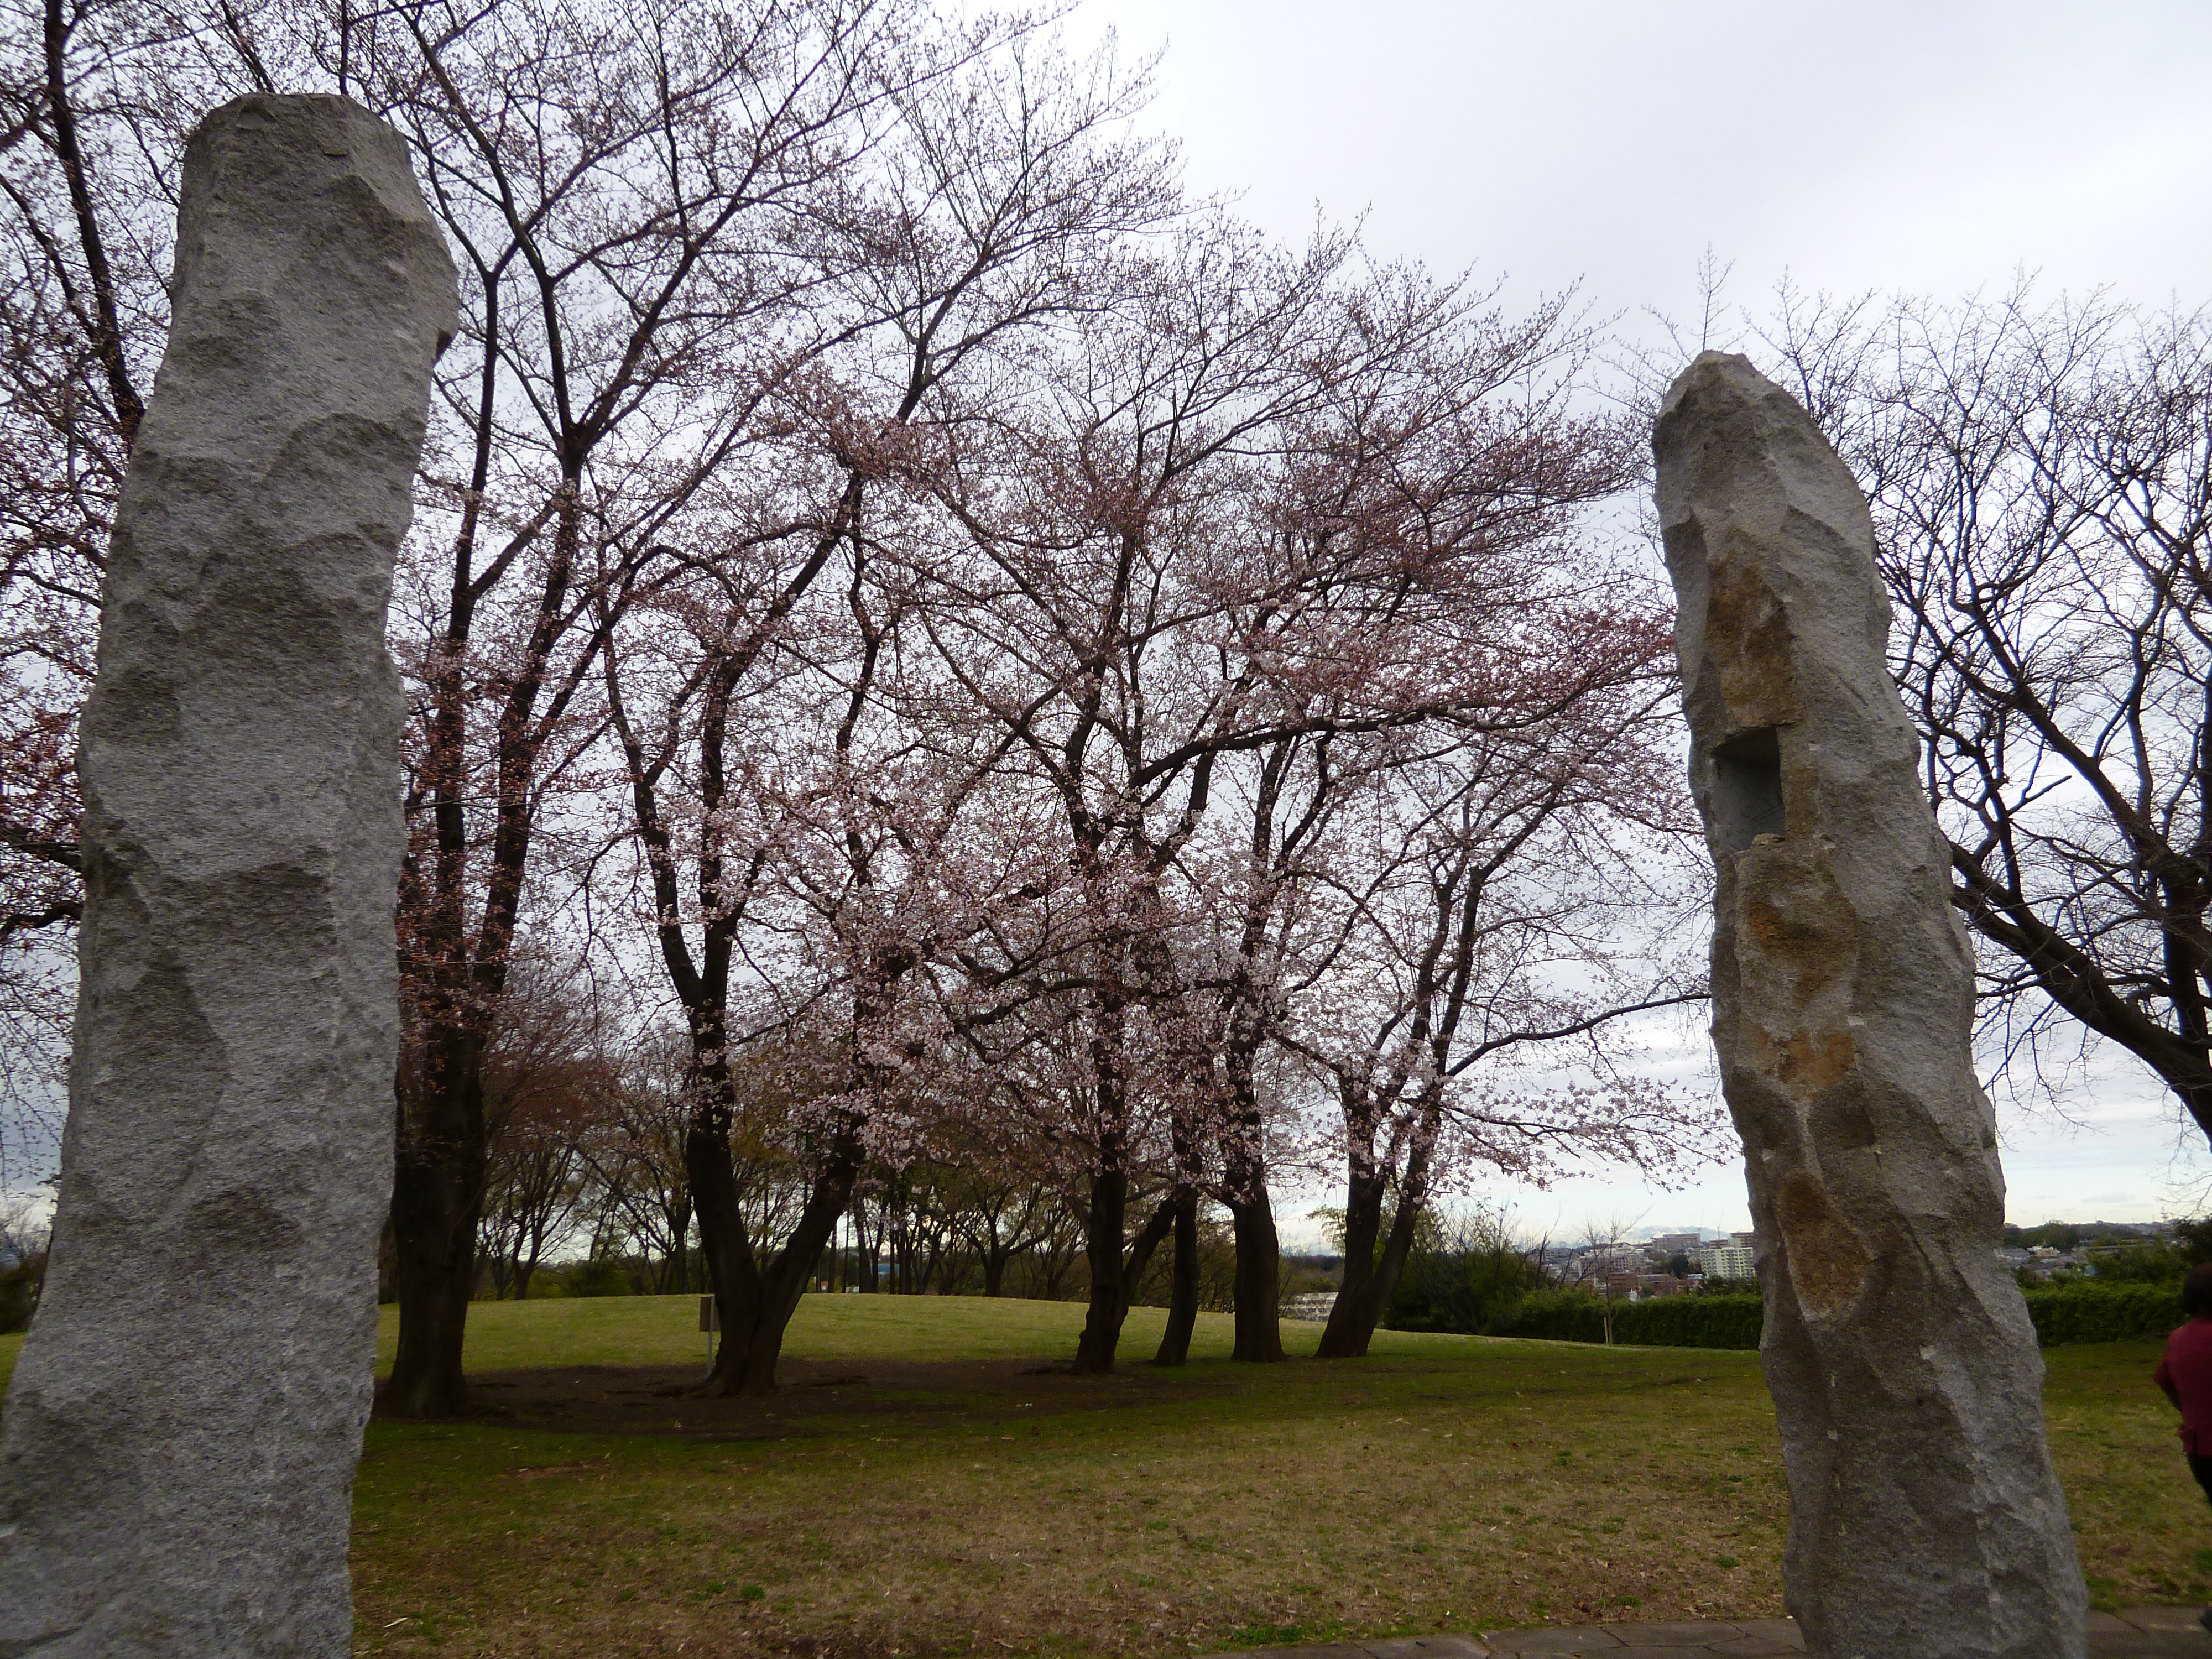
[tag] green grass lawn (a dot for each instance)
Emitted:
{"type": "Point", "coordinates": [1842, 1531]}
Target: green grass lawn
{"type": "Point", "coordinates": [1446, 1483]}
{"type": "Point", "coordinates": [645, 1330]}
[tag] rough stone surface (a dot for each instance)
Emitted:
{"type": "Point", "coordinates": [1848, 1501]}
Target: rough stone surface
{"type": "Point", "coordinates": [1925, 1518]}
{"type": "Point", "coordinates": [178, 1451]}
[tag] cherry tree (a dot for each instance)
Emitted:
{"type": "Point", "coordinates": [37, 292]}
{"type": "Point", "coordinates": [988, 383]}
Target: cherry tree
{"type": "Point", "coordinates": [1505, 916]}
{"type": "Point", "coordinates": [1427, 515]}
{"type": "Point", "coordinates": [1267, 499]}
{"type": "Point", "coordinates": [1071, 591]}
{"type": "Point", "coordinates": [83, 315]}
{"type": "Point", "coordinates": [633, 197]}
{"type": "Point", "coordinates": [817, 834]}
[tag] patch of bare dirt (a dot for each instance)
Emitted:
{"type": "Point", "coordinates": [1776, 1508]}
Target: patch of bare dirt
{"type": "Point", "coordinates": [814, 1396]}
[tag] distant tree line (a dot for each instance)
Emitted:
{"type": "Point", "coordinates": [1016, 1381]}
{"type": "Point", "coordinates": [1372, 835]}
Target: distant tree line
{"type": "Point", "coordinates": [2072, 1235]}
{"type": "Point", "coordinates": [1468, 1276]}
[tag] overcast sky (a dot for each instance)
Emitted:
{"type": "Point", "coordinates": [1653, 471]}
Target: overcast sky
{"type": "Point", "coordinates": [1932, 148]}
{"type": "Point", "coordinates": [1929, 147]}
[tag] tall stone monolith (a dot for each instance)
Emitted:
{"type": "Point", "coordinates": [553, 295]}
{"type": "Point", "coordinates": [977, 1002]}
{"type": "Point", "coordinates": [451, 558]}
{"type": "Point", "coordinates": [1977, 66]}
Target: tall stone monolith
{"type": "Point", "coordinates": [1925, 1519]}
{"type": "Point", "coordinates": [178, 1451]}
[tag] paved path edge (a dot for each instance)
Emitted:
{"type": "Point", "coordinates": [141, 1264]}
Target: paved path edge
{"type": "Point", "coordinates": [2130, 1633]}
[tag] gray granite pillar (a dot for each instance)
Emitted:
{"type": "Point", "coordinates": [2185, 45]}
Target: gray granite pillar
{"type": "Point", "coordinates": [1925, 1519]}
{"type": "Point", "coordinates": [178, 1450]}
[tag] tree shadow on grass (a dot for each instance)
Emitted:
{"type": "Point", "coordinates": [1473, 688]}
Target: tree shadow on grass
{"type": "Point", "coordinates": [816, 1397]}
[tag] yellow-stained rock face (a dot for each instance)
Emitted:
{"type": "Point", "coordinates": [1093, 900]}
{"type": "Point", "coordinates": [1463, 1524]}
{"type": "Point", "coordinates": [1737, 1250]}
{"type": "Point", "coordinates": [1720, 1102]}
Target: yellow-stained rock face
{"type": "Point", "coordinates": [1796, 935]}
{"type": "Point", "coordinates": [1825, 1256]}
{"type": "Point", "coordinates": [1750, 635]}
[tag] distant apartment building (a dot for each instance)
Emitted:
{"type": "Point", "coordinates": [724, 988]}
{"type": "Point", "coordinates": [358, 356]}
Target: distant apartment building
{"type": "Point", "coordinates": [1732, 1261]}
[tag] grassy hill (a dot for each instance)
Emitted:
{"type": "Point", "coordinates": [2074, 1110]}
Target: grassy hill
{"type": "Point", "coordinates": [629, 1330]}
{"type": "Point", "coordinates": [924, 1486]}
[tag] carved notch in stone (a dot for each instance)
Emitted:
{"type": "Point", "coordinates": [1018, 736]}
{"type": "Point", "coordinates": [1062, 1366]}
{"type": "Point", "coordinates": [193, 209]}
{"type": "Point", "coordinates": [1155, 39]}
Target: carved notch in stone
{"type": "Point", "coordinates": [1747, 788]}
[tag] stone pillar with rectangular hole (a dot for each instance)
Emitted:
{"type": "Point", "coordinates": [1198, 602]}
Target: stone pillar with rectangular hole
{"type": "Point", "coordinates": [178, 1451]}
{"type": "Point", "coordinates": [1926, 1520]}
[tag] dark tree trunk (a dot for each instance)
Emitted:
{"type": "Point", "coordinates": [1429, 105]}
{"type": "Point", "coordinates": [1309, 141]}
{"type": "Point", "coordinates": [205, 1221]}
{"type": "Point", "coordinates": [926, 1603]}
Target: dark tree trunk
{"type": "Point", "coordinates": [387, 1266]}
{"type": "Point", "coordinates": [1112, 1276]}
{"type": "Point", "coordinates": [1109, 1294]}
{"type": "Point", "coordinates": [1259, 1280]}
{"type": "Point", "coordinates": [438, 1177]}
{"type": "Point", "coordinates": [1182, 1295]}
{"type": "Point", "coordinates": [1392, 1268]}
{"type": "Point", "coordinates": [755, 1304]}
{"type": "Point", "coordinates": [1352, 1320]}
{"type": "Point", "coordinates": [1259, 1251]}
{"type": "Point", "coordinates": [437, 1194]}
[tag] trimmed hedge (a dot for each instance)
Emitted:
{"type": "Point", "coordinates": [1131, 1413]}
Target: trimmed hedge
{"type": "Point", "coordinates": [1554, 1316]}
{"type": "Point", "coordinates": [2063, 1313]}
{"type": "Point", "coordinates": [2102, 1313]}
{"type": "Point", "coordinates": [1671, 1321]}
{"type": "Point", "coordinates": [1691, 1322]}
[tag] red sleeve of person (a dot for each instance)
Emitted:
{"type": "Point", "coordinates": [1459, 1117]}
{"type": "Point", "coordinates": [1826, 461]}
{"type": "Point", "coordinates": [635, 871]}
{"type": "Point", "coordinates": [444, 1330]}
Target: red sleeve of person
{"type": "Point", "coordinates": [2185, 1373]}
